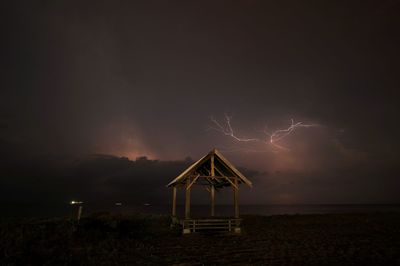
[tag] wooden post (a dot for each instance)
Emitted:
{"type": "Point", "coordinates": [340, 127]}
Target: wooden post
{"type": "Point", "coordinates": [174, 201]}
{"type": "Point", "coordinates": [212, 166]}
{"type": "Point", "coordinates": [236, 197]}
{"type": "Point", "coordinates": [212, 200]}
{"type": "Point", "coordinates": [79, 213]}
{"type": "Point", "coordinates": [212, 187]}
{"type": "Point", "coordinates": [187, 199]}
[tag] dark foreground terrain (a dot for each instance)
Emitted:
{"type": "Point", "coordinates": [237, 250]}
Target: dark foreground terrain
{"type": "Point", "coordinates": [340, 239]}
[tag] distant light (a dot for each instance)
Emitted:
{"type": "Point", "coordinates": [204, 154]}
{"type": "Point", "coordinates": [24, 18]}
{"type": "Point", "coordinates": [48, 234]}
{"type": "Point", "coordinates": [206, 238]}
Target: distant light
{"type": "Point", "coordinates": [147, 204]}
{"type": "Point", "coordinates": [118, 204]}
{"type": "Point", "coordinates": [76, 202]}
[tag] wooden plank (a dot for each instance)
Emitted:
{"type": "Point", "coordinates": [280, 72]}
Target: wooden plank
{"type": "Point", "coordinates": [212, 220]}
{"type": "Point", "coordinates": [205, 223]}
{"type": "Point", "coordinates": [210, 224]}
{"type": "Point", "coordinates": [209, 228]}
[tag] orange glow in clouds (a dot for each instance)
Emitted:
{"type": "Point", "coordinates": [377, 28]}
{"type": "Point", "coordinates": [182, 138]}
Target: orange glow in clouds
{"type": "Point", "coordinates": [123, 141]}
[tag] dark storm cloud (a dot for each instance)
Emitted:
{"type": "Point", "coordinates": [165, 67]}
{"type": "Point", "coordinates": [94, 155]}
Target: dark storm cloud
{"type": "Point", "coordinates": [108, 179]}
{"type": "Point", "coordinates": [133, 78]}
{"type": "Point", "coordinates": [96, 178]}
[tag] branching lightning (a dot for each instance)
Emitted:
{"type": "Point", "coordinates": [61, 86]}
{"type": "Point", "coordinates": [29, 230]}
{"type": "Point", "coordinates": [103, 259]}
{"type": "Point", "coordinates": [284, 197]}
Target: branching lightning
{"type": "Point", "coordinates": [227, 129]}
{"type": "Point", "coordinates": [272, 138]}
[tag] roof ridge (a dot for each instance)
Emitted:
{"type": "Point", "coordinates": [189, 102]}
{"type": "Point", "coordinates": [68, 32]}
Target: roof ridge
{"type": "Point", "coordinates": [198, 163]}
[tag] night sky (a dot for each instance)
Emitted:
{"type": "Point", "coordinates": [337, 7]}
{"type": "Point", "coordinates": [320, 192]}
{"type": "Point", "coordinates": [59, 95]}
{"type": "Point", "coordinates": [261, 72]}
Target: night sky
{"type": "Point", "coordinates": [88, 87]}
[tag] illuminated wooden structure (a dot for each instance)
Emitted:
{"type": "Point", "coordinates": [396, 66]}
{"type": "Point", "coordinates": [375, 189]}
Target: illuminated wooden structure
{"type": "Point", "coordinates": [214, 172]}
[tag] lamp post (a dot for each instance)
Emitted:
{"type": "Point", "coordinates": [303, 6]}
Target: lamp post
{"type": "Point", "coordinates": [80, 206]}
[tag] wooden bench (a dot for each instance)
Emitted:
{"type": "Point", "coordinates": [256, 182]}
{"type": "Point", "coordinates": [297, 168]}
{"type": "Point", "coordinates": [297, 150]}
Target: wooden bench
{"type": "Point", "coordinates": [211, 225]}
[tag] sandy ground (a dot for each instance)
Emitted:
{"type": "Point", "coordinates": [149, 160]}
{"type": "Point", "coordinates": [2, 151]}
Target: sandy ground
{"type": "Point", "coordinates": [329, 239]}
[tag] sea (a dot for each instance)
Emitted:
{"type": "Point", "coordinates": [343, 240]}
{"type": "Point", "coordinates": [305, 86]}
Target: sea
{"type": "Point", "coordinates": [65, 209]}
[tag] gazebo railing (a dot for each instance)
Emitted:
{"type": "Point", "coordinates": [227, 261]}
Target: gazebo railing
{"type": "Point", "coordinates": [202, 225]}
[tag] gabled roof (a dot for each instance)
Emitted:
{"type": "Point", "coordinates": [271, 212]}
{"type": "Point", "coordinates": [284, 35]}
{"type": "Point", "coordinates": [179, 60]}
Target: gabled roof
{"type": "Point", "coordinates": [201, 171]}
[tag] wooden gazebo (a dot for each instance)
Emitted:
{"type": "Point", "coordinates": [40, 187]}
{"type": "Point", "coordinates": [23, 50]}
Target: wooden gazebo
{"type": "Point", "coordinates": [214, 172]}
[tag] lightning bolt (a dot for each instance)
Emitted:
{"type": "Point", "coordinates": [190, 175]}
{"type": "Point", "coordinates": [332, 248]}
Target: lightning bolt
{"type": "Point", "coordinates": [271, 138]}
{"type": "Point", "coordinates": [227, 129]}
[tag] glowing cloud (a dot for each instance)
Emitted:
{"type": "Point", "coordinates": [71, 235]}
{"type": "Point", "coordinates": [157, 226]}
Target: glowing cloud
{"type": "Point", "coordinates": [271, 138]}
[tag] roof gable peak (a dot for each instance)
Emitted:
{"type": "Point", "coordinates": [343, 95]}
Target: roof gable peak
{"type": "Point", "coordinates": [202, 167]}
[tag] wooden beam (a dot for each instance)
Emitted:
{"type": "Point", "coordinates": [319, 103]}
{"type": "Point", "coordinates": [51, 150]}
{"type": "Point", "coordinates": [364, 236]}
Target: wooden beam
{"type": "Point", "coordinates": [230, 181]}
{"type": "Point", "coordinates": [211, 184]}
{"type": "Point", "coordinates": [187, 199]}
{"type": "Point", "coordinates": [208, 171]}
{"type": "Point", "coordinates": [233, 184]}
{"type": "Point", "coordinates": [213, 177]}
{"type": "Point", "coordinates": [194, 180]}
{"type": "Point", "coordinates": [189, 170]}
{"type": "Point", "coordinates": [236, 198]}
{"type": "Point", "coordinates": [212, 200]}
{"type": "Point", "coordinates": [229, 166]}
{"type": "Point", "coordinates": [208, 180]}
{"type": "Point", "coordinates": [219, 171]}
{"type": "Point", "coordinates": [212, 165]}
{"type": "Point", "coordinates": [174, 201]}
